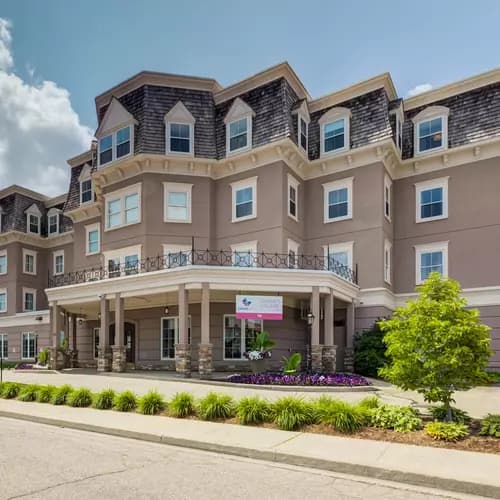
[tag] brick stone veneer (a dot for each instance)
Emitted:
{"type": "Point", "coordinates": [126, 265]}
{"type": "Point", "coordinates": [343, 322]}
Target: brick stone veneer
{"type": "Point", "coordinates": [104, 357]}
{"type": "Point", "coordinates": [183, 360]}
{"type": "Point", "coordinates": [317, 358]}
{"type": "Point", "coordinates": [119, 363]}
{"type": "Point", "coordinates": [329, 358]}
{"type": "Point", "coordinates": [205, 360]}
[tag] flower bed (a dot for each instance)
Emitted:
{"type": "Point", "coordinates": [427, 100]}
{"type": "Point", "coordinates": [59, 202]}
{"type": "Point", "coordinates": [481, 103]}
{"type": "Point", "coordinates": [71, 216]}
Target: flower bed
{"type": "Point", "coordinates": [306, 379]}
{"type": "Point", "coordinates": [29, 366]}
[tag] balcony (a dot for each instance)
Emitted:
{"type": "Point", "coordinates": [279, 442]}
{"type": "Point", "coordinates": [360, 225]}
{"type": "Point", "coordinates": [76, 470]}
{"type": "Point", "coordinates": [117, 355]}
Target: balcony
{"type": "Point", "coordinates": [210, 258]}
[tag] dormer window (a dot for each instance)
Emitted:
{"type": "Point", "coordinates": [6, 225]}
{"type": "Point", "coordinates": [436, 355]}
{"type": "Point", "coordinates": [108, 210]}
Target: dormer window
{"type": "Point", "coordinates": [114, 146]}
{"type": "Point", "coordinates": [106, 149]}
{"type": "Point", "coordinates": [179, 130]}
{"type": "Point", "coordinates": [335, 131]}
{"type": "Point", "coordinates": [33, 216]}
{"type": "Point", "coordinates": [238, 127]}
{"type": "Point", "coordinates": [399, 130]}
{"type": "Point", "coordinates": [303, 120]}
{"type": "Point", "coordinates": [431, 129]}
{"type": "Point", "coordinates": [53, 221]}
{"type": "Point", "coordinates": [302, 133]}
{"type": "Point", "coordinates": [86, 187]}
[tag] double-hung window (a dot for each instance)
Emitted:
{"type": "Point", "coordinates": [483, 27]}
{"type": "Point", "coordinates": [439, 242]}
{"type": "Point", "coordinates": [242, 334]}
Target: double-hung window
{"type": "Point", "coordinates": [335, 126]}
{"type": "Point", "coordinates": [180, 138]}
{"type": "Point", "coordinates": [177, 202]}
{"type": "Point", "coordinates": [387, 197]}
{"type": "Point", "coordinates": [244, 199]}
{"type": "Point", "coordinates": [29, 261]}
{"type": "Point", "coordinates": [4, 346]}
{"type": "Point", "coordinates": [431, 200]}
{"type": "Point", "coordinates": [177, 255]}
{"type": "Point", "coordinates": [3, 300]}
{"type": "Point", "coordinates": [238, 134]}
{"type": "Point", "coordinates": [92, 243]}
{"type": "Point", "coordinates": [131, 208]}
{"type": "Point", "coordinates": [338, 200]}
{"type": "Point", "coordinates": [244, 254]}
{"type": "Point", "coordinates": [431, 129]}
{"type": "Point", "coordinates": [59, 262]}
{"type": "Point", "coordinates": [116, 145]}
{"type": "Point", "coordinates": [431, 258]}
{"type": "Point", "coordinates": [29, 343]}
{"type": "Point", "coordinates": [239, 335]}
{"type": "Point", "coordinates": [179, 130]}
{"type": "Point", "coordinates": [53, 224]}
{"type": "Point", "coordinates": [29, 300]}
{"type": "Point", "coordinates": [339, 257]}
{"type": "Point", "coordinates": [238, 123]}
{"type": "Point", "coordinates": [86, 191]}
{"type": "Point", "coordinates": [302, 132]}
{"type": "Point", "coordinates": [106, 149]}
{"type": "Point", "coordinates": [123, 262]}
{"type": "Point", "coordinates": [123, 142]}
{"type": "Point", "coordinates": [293, 191]}
{"type": "Point", "coordinates": [170, 335]}
{"type": "Point", "coordinates": [34, 224]}
{"type": "Point", "coordinates": [387, 261]}
{"type": "Point", "coordinates": [3, 261]}
{"type": "Point", "coordinates": [123, 207]}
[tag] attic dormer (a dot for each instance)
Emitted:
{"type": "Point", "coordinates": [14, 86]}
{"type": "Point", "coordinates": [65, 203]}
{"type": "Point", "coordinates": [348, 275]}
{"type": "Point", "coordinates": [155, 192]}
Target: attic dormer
{"type": "Point", "coordinates": [33, 217]}
{"type": "Point", "coordinates": [179, 130]}
{"type": "Point", "coordinates": [239, 127]}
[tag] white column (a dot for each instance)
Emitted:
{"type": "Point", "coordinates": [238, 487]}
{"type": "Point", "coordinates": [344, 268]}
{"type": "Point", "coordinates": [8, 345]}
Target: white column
{"type": "Point", "coordinates": [183, 315]}
{"type": "Point", "coordinates": [316, 313]}
{"type": "Point", "coordinates": [349, 326]}
{"type": "Point", "coordinates": [329, 319]}
{"type": "Point", "coordinates": [205, 313]}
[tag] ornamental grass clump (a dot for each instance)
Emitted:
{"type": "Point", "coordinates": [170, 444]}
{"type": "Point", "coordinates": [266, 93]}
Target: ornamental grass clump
{"type": "Point", "coordinates": [398, 418]}
{"type": "Point", "coordinates": [490, 426]}
{"type": "Point", "coordinates": [182, 405]}
{"type": "Point", "coordinates": [253, 410]}
{"type": "Point", "coordinates": [151, 403]}
{"type": "Point", "coordinates": [290, 413]}
{"type": "Point", "coordinates": [11, 390]}
{"type": "Point", "coordinates": [216, 406]}
{"type": "Point", "coordinates": [340, 415]}
{"type": "Point", "coordinates": [369, 403]}
{"type": "Point", "coordinates": [125, 401]}
{"type": "Point", "coordinates": [80, 398]}
{"type": "Point", "coordinates": [28, 393]}
{"type": "Point", "coordinates": [446, 431]}
{"type": "Point", "coordinates": [104, 399]}
{"type": "Point", "coordinates": [61, 394]}
{"type": "Point", "coordinates": [45, 393]}
{"type": "Point", "coordinates": [442, 412]}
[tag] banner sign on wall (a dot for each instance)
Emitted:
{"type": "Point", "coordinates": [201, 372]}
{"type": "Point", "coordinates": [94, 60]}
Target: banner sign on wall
{"type": "Point", "coordinates": [259, 307]}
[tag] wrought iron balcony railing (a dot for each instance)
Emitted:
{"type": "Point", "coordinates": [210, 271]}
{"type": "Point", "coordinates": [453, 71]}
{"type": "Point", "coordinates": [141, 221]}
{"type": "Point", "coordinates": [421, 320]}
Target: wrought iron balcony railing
{"type": "Point", "coordinates": [221, 258]}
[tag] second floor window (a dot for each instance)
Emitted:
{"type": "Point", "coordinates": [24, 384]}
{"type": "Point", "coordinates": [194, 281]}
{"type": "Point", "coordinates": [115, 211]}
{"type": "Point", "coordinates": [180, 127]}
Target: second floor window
{"type": "Point", "coordinates": [293, 187]}
{"type": "Point", "coordinates": [338, 200]}
{"type": "Point", "coordinates": [432, 200]}
{"type": "Point", "coordinates": [123, 208]}
{"type": "Point", "coordinates": [177, 202]}
{"type": "Point", "coordinates": [59, 262]}
{"type": "Point", "coordinates": [29, 304]}
{"type": "Point", "coordinates": [3, 301]}
{"type": "Point", "coordinates": [244, 254]}
{"type": "Point", "coordinates": [92, 243]}
{"type": "Point", "coordinates": [3, 262]}
{"type": "Point", "coordinates": [29, 262]}
{"type": "Point", "coordinates": [431, 258]}
{"type": "Point", "coordinates": [244, 199]}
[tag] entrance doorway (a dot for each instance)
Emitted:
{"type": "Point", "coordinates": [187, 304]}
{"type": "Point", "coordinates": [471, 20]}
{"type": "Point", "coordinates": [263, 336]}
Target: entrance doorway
{"type": "Point", "coordinates": [129, 335]}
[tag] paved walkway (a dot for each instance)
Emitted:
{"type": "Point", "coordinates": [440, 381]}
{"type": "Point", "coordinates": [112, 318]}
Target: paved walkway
{"type": "Point", "coordinates": [478, 402]}
{"type": "Point", "coordinates": [459, 471]}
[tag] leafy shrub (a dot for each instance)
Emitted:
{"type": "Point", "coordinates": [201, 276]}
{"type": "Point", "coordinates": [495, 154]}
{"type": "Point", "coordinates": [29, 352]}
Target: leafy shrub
{"type": "Point", "coordinates": [369, 403]}
{"type": "Point", "coordinates": [43, 357]}
{"type": "Point", "coordinates": [214, 406]}
{"type": "Point", "coordinates": [80, 398]}
{"type": "Point", "coordinates": [182, 405]}
{"type": "Point", "coordinates": [399, 418]}
{"type": "Point", "coordinates": [61, 394]}
{"type": "Point", "coordinates": [446, 431]}
{"type": "Point", "coordinates": [370, 351]}
{"type": "Point", "coordinates": [490, 426]}
{"type": "Point", "coordinates": [45, 393]}
{"type": "Point", "coordinates": [342, 416]}
{"type": "Point", "coordinates": [125, 401]}
{"type": "Point", "coordinates": [9, 365]}
{"type": "Point", "coordinates": [253, 410]}
{"type": "Point", "coordinates": [291, 364]}
{"type": "Point", "coordinates": [457, 415]}
{"type": "Point", "coordinates": [492, 377]}
{"type": "Point", "coordinates": [11, 390]}
{"type": "Point", "coordinates": [104, 399]}
{"type": "Point", "coordinates": [151, 403]}
{"type": "Point", "coordinates": [290, 413]}
{"type": "Point", "coordinates": [28, 392]}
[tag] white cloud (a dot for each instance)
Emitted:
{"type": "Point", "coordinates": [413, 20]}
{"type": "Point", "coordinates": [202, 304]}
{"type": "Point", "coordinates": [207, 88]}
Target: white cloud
{"type": "Point", "coordinates": [419, 89]}
{"type": "Point", "coordinates": [39, 129]}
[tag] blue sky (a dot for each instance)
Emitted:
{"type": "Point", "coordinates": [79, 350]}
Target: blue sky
{"type": "Point", "coordinates": [88, 46]}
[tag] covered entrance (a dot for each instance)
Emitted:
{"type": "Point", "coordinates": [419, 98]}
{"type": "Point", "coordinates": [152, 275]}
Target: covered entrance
{"type": "Point", "coordinates": [129, 331]}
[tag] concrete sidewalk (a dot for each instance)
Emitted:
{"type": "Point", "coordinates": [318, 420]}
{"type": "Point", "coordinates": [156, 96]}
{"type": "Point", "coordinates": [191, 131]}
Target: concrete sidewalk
{"type": "Point", "coordinates": [459, 471]}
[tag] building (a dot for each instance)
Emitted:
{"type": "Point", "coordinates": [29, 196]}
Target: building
{"type": "Point", "coordinates": [194, 193]}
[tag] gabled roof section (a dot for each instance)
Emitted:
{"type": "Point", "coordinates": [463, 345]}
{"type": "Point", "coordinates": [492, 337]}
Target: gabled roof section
{"type": "Point", "coordinates": [179, 114]}
{"type": "Point", "coordinates": [33, 210]}
{"type": "Point", "coordinates": [115, 116]}
{"type": "Point", "coordinates": [81, 158]}
{"type": "Point", "coordinates": [54, 211]}
{"type": "Point", "coordinates": [301, 108]}
{"type": "Point", "coordinates": [86, 172]}
{"type": "Point", "coordinates": [238, 109]}
{"type": "Point", "coordinates": [431, 112]}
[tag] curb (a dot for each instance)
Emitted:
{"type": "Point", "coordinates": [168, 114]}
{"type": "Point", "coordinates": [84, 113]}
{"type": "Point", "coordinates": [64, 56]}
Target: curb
{"type": "Point", "coordinates": [453, 485]}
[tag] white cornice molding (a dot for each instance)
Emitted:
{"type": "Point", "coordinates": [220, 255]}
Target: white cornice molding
{"type": "Point", "coordinates": [452, 89]}
{"type": "Point", "coordinates": [36, 241]}
{"type": "Point", "coordinates": [81, 158]}
{"type": "Point", "coordinates": [26, 319]}
{"type": "Point", "coordinates": [84, 212]}
{"type": "Point", "coordinates": [15, 189]}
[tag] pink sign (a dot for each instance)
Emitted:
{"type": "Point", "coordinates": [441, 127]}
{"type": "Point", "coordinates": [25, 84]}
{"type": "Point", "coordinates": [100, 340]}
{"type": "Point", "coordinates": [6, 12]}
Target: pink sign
{"type": "Point", "coordinates": [259, 307]}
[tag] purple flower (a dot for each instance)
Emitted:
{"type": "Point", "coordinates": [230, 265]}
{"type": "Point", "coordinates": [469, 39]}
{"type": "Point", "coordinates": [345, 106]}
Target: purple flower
{"type": "Point", "coordinates": [335, 379]}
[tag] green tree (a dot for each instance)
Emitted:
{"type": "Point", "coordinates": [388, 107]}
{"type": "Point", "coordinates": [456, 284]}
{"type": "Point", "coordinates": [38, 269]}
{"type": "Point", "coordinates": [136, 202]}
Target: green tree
{"type": "Point", "coordinates": [436, 346]}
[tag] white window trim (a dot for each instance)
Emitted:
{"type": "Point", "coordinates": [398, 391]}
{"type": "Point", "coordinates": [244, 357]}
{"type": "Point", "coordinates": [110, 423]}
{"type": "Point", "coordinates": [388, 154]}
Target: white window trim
{"type": "Point", "coordinates": [300, 117]}
{"type": "Point", "coordinates": [3, 291]}
{"type": "Point", "coordinates": [388, 196]}
{"type": "Point", "coordinates": [169, 248]}
{"type": "Point", "coordinates": [26, 252]}
{"type": "Point", "coordinates": [35, 213]}
{"type": "Point", "coordinates": [179, 115]}
{"type": "Point", "coordinates": [86, 175]}
{"type": "Point", "coordinates": [330, 116]}
{"type": "Point", "coordinates": [176, 340]}
{"type": "Point", "coordinates": [3, 253]}
{"type": "Point", "coordinates": [249, 120]}
{"type": "Point", "coordinates": [53, 212]}
{"type": "Point", "coordinates": [4, 337]}
{"type": "Point", "coordinates": [88, 230]}
{"type": "Point", "coordinates": [293, 182]}
{"type": "Point", "coordinates": [59, 253]}
{"type": "Point", "coordinates": [177, 187]}
{"type": "Point", "coordinates": [430, 247]}
{"type": "Point", "coordinates": [243, 337]}
{"type": "Point", "coordinates": [32, 291]}
{"type": "Point", "coordinates": [292, 246]}
{"type": "Point", "coordinates": [246, 247]}
{"type": "Point", "coordinates": [425, 115]}
{"type": "Point", "coordinates": [237, 186]}
{"type": "Point", "coordinates": [120, 254]}
{"type": "Point", "coordinates": [238, 111]}
{"type": "Point", "coordinates": [22, 335]}
{"type": "Point", "coordinates": [399, 126]}
{"type": "Point", "coordinates": [347, 246]}
{"type": "Point", "coordinates": [120, 194]}
{"type": "Point", "coordinates": [388, 267]}
{"type": "Point", "coordinates": [168, 134]}
{"type": "Point", "coordinates": [333, 186]}
{"type": "Point", "coordinates": [442, 182]}
{"type": "Point", "coordinates": [112, 132]}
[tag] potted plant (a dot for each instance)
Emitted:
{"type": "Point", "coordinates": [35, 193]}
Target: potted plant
{"type": "Point", "coordinates": [260, 352]}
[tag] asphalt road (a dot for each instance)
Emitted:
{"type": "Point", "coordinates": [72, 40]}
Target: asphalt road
{"type": "Point", "coordinates": [44, 462]}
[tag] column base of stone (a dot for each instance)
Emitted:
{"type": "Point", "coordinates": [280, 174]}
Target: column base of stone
{"type": "Point", "coordinates": [104, 359]}
{"type": "Point", "coordinates": [329, 358]}
{"type": "Point", "coordinates": [119, 359]}
{"type": "Point", "coordinates": [56, 359]}
{"type": "Point", "coordinates": [317, 358]}
{"type": "Point", "coordinates": [205, 360]}
{"type": "Point", "coordinates": [183, 360]}
{"type": "Point", "coordinates": [349, 359]}
{"type": "Point", "coordinates": [73, 358]}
